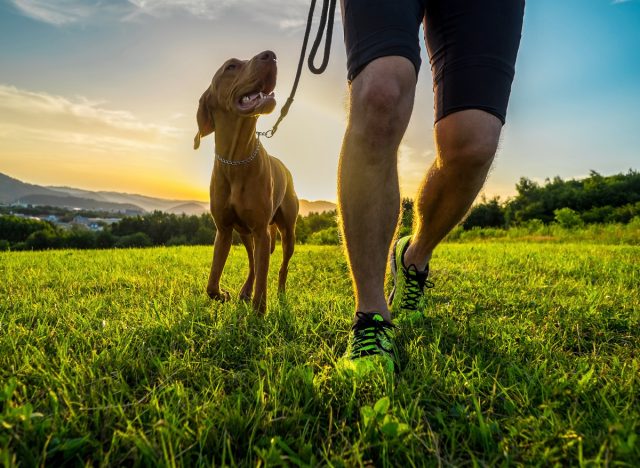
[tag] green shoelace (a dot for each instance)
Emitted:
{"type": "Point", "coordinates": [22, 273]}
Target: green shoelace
{"type": "Point", "coordinates": [415, 282]}
{"type": "Point", "coordinates": [371, 335]}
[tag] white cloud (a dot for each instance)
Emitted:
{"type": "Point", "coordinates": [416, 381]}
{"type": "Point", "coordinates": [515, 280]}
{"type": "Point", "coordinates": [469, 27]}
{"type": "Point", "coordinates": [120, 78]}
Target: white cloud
{"type": "Point", "coordinates": [57, 119]}
{"type": "Point", "coordinates": [285, 14]}
{"type": "Point", "coordinates": [59, 13]}
{"type": "Point", "coordinates": [66, 12]}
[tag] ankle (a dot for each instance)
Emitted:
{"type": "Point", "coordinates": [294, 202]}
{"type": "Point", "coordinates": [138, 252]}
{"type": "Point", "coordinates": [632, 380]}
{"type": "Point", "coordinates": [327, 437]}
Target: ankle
{"type": "Point", "coordinates": [382, 311]}
{"type": "Point", "coordinates": [412, 256]}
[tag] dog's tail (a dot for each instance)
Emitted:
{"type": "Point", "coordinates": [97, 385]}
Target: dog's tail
{"type": "Point", "coordinates": [274, 233]}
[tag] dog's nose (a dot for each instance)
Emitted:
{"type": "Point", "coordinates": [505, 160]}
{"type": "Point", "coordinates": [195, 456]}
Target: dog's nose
{"type": "Point", "coordinates": [267, 56]}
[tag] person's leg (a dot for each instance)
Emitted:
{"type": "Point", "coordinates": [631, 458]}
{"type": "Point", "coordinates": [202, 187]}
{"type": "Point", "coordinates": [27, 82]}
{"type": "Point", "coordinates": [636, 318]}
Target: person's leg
{"type": "Point", "coordinates": [473, 46]}
{"type": "Point", "coordinates": [466, 143]}
{"type": "Point", "coordinates": [381, 102]}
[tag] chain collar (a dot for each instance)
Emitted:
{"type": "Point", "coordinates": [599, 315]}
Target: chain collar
{"type": "Point", "coordinates": [231, 162]}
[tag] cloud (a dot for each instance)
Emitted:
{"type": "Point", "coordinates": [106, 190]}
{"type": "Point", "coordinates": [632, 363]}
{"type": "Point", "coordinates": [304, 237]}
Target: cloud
{"type": "Point", "coordinates": [66, 12]}
{"type": "Point", "coordinates": [285, 14]}
{"type": "Point", "coordinates": [617, 2]}
{"type": "Point", "coordinates": [58, 13]}
{"type": "Point", "coordinates": [46, 117]}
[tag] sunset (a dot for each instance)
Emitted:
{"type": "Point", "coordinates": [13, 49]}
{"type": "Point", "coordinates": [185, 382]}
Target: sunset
{"type": "Point", "coordinates": [433, 262]}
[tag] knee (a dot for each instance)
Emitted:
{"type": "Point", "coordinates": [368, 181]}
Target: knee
{"type": "Point", "coordinates": [380, 108]}
{"type": "Point", "coordinates": [470, 146]}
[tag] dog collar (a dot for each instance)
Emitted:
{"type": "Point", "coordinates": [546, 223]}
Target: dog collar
{"type": "Point", "coordinates": [231, 162]}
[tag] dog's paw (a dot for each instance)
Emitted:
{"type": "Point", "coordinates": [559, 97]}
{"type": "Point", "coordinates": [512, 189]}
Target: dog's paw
{"type": "Point", "coordinates": [222, 296]}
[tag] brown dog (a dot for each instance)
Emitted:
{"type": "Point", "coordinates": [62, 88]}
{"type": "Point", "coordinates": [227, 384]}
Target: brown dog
{"type": "Point", "coordinates": [251, 191]}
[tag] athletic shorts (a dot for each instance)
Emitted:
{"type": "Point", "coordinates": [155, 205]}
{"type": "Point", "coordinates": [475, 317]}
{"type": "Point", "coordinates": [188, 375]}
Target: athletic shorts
{"type": "Point", "coordinates": [472, 46]}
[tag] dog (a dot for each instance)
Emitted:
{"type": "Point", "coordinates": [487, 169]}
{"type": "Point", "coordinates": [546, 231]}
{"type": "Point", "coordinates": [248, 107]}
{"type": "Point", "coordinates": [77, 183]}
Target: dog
{"type": "Point", "coordinates": [251, 191]}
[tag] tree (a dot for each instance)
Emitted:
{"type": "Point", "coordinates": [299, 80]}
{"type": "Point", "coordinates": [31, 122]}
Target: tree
{"type": "Point", "coordinates": [485, 214]}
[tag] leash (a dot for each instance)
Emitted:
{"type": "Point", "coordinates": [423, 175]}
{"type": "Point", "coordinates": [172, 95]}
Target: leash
{"type": "Point", "coordinates": [328, 13]}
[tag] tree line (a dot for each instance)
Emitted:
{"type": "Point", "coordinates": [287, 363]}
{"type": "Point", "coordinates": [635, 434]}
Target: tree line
{"type": "Point", "coordinates": [595, 199]}
{"type": "Point", "coordinates": [154, 229]}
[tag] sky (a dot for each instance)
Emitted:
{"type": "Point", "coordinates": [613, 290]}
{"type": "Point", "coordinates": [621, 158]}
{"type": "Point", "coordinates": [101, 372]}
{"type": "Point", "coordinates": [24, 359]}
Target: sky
{"type": "Point", "coordinates": [102, 95]}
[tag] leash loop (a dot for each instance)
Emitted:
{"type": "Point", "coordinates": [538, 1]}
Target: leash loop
{"type": "Point", "coordinates": [326, 23]}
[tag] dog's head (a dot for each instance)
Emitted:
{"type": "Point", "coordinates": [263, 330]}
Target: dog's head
{"type": "Point", "coordinates": [240, 88]}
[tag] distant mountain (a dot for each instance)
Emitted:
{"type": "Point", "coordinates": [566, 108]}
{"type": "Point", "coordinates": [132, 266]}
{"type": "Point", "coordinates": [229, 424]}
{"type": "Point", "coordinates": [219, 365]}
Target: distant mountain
{"type": "Point", "coordinates": [15, 191]}
{"type": "Point", "coordinates": [11, 189]}
{"type": "Point", "coordinates": [143, 201]}
{"type": "Point", "coordinates": [79, 203]}
{"type": "Point", "coordinates": [189, 209]}
{"type": "Point", "coordinates": [319, 206]}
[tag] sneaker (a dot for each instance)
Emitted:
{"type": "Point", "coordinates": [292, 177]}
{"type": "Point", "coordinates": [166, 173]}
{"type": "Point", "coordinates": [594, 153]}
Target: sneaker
{"type": "Point", "coordinates": [371, 344]}
{"type": "Point", "coordinates": [408, 283]}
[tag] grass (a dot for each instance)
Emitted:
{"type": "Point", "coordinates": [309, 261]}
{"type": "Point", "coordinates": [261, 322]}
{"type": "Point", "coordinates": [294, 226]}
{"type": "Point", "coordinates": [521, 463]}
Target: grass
{"type": "Point", "coordinates": [528, 354]}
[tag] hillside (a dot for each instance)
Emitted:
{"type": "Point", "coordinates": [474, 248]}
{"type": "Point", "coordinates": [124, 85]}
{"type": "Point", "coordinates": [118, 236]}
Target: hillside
{"type": "Point", "coordinates": [15, 191]}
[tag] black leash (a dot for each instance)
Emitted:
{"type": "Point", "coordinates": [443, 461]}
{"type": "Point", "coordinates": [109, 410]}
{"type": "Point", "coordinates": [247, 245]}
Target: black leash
{"type": "Point", "coordinates": [328, 12]}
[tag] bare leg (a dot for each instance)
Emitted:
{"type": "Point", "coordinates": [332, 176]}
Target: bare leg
{"type": "Point", "coordinates": [466, 143]}
{"type": "Point", "coordinates": [221, 248]}
{"type": "Point", "coordinates": [368, 194]}
{"type": "Point", "coordinates": [262, 242]}
{"type": "Point", "coordinates": [247, 288]}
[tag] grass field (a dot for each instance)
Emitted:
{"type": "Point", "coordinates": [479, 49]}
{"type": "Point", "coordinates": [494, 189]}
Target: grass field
{"type": "Point", "coordinates": [528, 354]}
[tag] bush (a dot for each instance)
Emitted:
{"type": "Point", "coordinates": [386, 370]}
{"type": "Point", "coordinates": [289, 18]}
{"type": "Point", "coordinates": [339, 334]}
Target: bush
{"type": "Point", "coordinates": [176, 240]}
{"type": "Point", "coordinates": [328, 236]}
{"type": "Point", "coordinates": [105, 240]}
{"type": "Point", "coordinates": [80, 239]}
{"type": "Point", "coordinates": [41, 240]}
{"type": "Point", "coordinates": [203, 236]}
{"type": "Point", "coordinates": [16, 229]}
{"type": "Point", "coordinates": [485, 214]}
{"type": "Point", "coordinates": [139, 239]}
{"type": "Point", "coordinates": [4, 245]}
{"type": "Point", "coordinates": [567, 218]}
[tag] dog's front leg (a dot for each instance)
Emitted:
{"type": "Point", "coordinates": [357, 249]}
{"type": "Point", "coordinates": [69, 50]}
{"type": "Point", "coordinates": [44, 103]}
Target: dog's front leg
{"type": "Point", "coordinates": [221, 248]}
{"type": "Point", "coordinates": [262, 242]}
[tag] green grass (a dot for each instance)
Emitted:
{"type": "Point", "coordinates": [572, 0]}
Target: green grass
{"type": "Point", "coordinates": [528, 354]}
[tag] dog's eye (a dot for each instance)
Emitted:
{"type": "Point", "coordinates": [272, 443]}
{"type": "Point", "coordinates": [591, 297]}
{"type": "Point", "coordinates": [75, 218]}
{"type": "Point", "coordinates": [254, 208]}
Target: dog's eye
{"type": "Point", "coordinates": [231, 66]}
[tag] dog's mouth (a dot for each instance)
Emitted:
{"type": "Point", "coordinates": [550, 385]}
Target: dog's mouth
{"type": "Point", "coordinates": [253, 100]}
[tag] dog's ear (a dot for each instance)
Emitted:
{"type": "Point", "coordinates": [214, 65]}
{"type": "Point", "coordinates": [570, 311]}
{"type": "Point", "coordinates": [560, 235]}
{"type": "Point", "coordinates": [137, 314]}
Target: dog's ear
{"type": "Point", "coordinates": [204, 117]}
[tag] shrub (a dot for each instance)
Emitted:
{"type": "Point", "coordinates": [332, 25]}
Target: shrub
{"type": "Point", "coordinates": [328, 236]}
{"type": "Point", "coordinates": [176, 240]}
{"type": "Point", "coordinates": [139, 239]}
{"type": "Point", "coordinates": [567, 218]}
{"type": "Point", "coordinates": [203, 236]}
{"type": "Point", "coordinates": [105, 240]}
{"type": "Point", "coordinates": [41, 240]}
{"type": "Point", "coordinates": [80, 239]}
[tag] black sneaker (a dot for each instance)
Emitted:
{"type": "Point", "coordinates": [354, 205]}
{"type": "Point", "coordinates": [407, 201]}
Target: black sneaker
{"type": "Point", "coordinates": [371, 344]}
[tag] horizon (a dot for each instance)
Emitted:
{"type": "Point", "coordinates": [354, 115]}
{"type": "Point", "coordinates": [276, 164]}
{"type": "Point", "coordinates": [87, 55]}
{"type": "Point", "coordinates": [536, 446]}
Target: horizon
{"type": "Point", "coordinates": [479, 199]}
{"type": "Point", "coordinates": [102, 97]}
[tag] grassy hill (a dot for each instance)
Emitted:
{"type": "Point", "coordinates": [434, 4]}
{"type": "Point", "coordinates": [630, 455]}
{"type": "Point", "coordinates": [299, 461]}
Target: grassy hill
{"type": "Point", "coordinates": [527, 354]}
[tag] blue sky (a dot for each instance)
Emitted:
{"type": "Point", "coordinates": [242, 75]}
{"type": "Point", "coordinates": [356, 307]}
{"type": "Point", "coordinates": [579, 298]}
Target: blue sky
{"type": "Point", "coordinates": [102, 95]}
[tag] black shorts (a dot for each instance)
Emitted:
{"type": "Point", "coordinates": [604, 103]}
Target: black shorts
{"type": "Point", "coordinates": [472, 46]}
